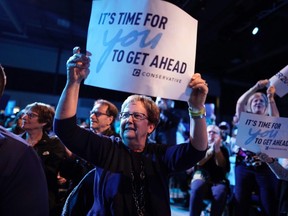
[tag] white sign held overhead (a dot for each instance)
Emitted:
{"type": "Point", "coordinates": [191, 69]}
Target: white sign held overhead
{"type": "Point", "coordinates": [143, 47]}
{"type": "Point", "coordinates": [280, 81]}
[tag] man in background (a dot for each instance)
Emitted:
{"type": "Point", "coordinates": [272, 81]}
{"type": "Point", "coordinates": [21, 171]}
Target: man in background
{"type": "Point", "coordinates": [102, 118]}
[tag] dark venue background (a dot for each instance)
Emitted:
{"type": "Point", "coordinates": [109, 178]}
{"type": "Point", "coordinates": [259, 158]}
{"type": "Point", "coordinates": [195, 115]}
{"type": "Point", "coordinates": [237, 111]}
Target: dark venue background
{"type": "Point", "coordinates": [228, 55]}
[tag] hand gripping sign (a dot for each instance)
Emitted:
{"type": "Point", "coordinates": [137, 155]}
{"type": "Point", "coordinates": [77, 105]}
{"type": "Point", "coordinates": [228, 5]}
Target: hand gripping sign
{"type": "Point", "coordinates": [140, 46]}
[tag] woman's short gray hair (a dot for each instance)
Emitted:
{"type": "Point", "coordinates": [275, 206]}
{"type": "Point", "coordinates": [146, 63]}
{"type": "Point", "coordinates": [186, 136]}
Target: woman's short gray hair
{"type": "Point", "coordinates": [150, 106]}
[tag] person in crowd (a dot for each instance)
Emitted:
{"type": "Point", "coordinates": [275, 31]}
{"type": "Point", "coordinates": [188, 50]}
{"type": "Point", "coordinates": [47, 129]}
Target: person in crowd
{"type": "Point", "coordinates": [225, 134]}
{"type": "Point", "coordinates": [250, 174]}
{"type": "Point", "coordinates": [209, 176]}
{"type": "Point", "coordinates": [37, 123]}
{"type": "Point", "coordinates": [182, 133]}
{"type": "Point", "coordinates": [102, 118]}
{"type": "Point", "coordinates": [16, 127]}
{"type": "Point", "coordinates": [225, 131]}
{"type": "Point", "coordinates": [279, 167]}
{"type": "Point", "coordinates": [165, 133]}
{"type": "Point", "coordinates": [132, 175]}
{"type": "Point", "coordinates": [22, 179]}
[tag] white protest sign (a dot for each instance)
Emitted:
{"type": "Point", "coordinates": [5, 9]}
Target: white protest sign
{"type": "Point", "coordinates": [140, 46]}
{"type": "Point", "coordinates": [259, 133]}
{"type": "Point", "coordinates": [280, 81]}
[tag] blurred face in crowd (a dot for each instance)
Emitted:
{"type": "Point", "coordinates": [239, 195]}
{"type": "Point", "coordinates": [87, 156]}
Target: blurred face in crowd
{"type": "Point", "coordinates": [30, 120]}
{"type": "Point", "coordinates": [258, 104]}
{"type": "Point", "coordinates": [164, 104]}
{"type": "Point", "coordinates": [38, 116]}
{"type": "Point", "coordinates": [224, 130]}
{"type": "Point", "coordinates": [213, 133]}
{"type": "Point", "coordinates": [99, 120]}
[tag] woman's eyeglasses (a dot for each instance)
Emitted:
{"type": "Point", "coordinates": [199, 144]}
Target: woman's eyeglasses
{"type": "Point", "coordinates": [30, 115]}
{"type": "Point", "coordinates": [212, 132]}
{"type": "Point", "coordinates": [135, 115]}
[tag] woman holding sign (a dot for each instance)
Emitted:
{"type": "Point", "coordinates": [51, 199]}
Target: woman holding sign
{"type": "Point", "coordinates": [250, 173]}
{"type": "Point", "coordinates": [132, 175]}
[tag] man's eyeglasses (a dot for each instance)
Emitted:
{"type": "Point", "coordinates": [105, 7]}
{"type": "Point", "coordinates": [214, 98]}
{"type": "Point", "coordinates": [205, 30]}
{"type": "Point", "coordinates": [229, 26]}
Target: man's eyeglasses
{"type": "Point", "coordinates": [135, 115]}
{"type": "Point", "coordinates": [97, 114]}
{"type": "Point", "coordinates": [31, 115]}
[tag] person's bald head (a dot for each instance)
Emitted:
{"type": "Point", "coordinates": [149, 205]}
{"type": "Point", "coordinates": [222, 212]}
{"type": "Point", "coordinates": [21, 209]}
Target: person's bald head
{"type": "Point", "coordinates": [2, 80]}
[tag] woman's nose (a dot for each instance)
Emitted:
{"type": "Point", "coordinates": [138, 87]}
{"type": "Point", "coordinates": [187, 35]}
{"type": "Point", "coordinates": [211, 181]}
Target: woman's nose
{"type": "Point", "coordinates": [130, 119]}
